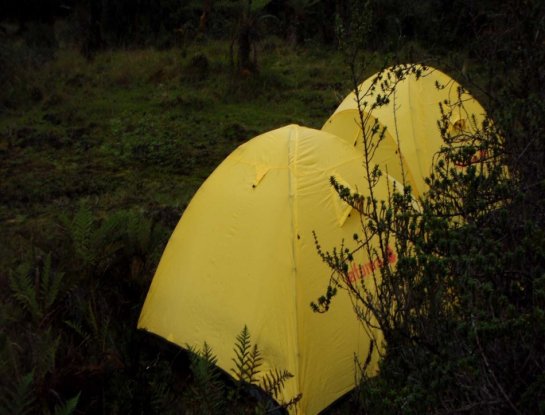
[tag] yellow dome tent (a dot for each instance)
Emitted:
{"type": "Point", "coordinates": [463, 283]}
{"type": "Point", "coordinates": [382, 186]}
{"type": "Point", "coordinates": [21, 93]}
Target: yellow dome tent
{"type": "Point", "coordinates": [411, 119]}
{"type": "Point", "coordinates": [244, 254]}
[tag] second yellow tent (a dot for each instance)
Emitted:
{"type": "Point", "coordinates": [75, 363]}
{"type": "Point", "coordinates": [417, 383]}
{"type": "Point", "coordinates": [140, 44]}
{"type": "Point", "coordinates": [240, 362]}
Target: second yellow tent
{"type": "Point", "coordinates": [411, 119]}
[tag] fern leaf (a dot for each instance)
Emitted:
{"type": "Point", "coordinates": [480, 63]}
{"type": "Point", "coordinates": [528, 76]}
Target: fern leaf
{"type": "Point", "coordinates": [45, 278]}
{"type": "Point", "coordinates": [108, 237]}
{"type": "Point", "coordinates": [111, 227]}
{"type": "Point", "coordinates": [24, 290]}
{"type": "Point", "coordinates": [254, 362]}
{"type": "Point", "coordinates": [44, 352]}
{"type": "Point", "coordinates": [273, 382]}
{"type": "Point", "coordinates": [91, 317]}
{"type": "Point", "coordinates": [81, 229]}
{"type": "Point", "coordinates": [208, 355]}
{"type": "Point", "coordinates": [139, 230]}
{"type": "Point", "coordinates": [50, 355]}
{"type": "Point", "coordinates": [98, 323]}
{"type": "Point", "coordinates": [50, 284]}
{"type": "Point", "coordinates": [203, 365]}
{"type": "Point", "coordinates": [161, 398]}
{"type": "Point", "coordinates": [208, 390]}
{"type": "Point", "coordinates": [242, 352]}
{"type": "Point", "coordinates": [292, 402]}
{"type": "Point", "coordinates": [19, 400]}
{"type": "Point", "coordinates": [79, 330]}
{"type": "Point", "coordinates": [68, 407]}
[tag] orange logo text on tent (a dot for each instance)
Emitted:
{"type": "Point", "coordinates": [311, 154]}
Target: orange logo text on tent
{"type": "Point", "coordinates": [478, 157]}
{"type": "Point", "coordinates": [358, 272]}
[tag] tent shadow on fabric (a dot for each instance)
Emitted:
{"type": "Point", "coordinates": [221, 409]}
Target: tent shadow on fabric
{"type": "Point", "coordinates": [244, 254]}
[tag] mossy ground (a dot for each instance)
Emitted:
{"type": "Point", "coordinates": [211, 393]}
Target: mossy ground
{"type": "Point", "coordinates": [98, 160]}
{"type": "Point", "coordinates": [144, 128]}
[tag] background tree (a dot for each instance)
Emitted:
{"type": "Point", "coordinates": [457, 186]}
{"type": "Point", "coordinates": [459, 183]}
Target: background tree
{"type": "Point", "coordinates": [246, 34]}
{"type": "Point", "coordinates": [296, 10]}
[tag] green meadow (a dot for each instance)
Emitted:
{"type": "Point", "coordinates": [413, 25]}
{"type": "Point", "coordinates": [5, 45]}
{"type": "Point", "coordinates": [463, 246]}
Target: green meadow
{"type": "Point", "coordinates": [99, 160]}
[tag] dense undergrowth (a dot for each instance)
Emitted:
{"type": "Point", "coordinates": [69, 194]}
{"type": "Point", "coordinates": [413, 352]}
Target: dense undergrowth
{"type": "Point", "coordinates": [98, 161]}
{"type": "Point", "coordinates": [462, 310]}
{"type": "Point", "coordinates": [99, 156]}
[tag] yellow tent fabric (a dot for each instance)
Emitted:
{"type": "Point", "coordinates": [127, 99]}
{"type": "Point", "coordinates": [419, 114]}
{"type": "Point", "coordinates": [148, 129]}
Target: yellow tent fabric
{"type": "Point", "coordinates": [411, 120]}
{"type": "Point", "coordinates": [346, 124]}
{"type": "Point", "coordinates": [244, 254]}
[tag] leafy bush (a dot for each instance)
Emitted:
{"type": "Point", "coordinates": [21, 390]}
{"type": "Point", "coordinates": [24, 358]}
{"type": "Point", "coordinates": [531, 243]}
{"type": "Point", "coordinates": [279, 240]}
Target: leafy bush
{"type": "Point", "coordinates": [462, 310]}
{"type": "Point", "coordinates": [70, 343]}
{"type": "Point", "coordinates": [62, 344]}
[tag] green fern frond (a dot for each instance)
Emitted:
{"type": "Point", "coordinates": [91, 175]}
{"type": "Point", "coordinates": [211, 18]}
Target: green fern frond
{"type": "Point", "coordinates": [129, 232]}
{"type": "Point", "coordinates": [50, 352]}
{"type": "Point", "coordinates": [81, 229]}
{"type": "Point", "coordinates": [19, 399]}
{"type": "Point", "coordinates": [244, 369]}
{"type": "Point", "coordinates": [78, 329]}
{"type": "Point", "coordinates": [45, 347]}
{"type": "Point", "coordinates": [107, 240]}
{"type": "Point", "coordinates": [208, 355]}
{"type": "Point", "coordinates": [97, 323]}
{"type": "Point", "coordinates": [273, 382]}
{"type": "Point", "coordinates": [68, 407]}
{"type": "Point", "coordinates": [92, 320]}
{"type": "Point", "coordinates": [254, 362]}
{"type": "Point", "coordinates": [45, 281]}
{"type": "Point", "coordinates": [111, 227]}
{"type": "Point", "coordinates": [203, 365]}
{"type": "Point", "coordinates": [50, 284]}
{"type": "Point", "coordinates": [24, 290]}
{"type": "Point", "coordinates": [207, 393]}
{"type": "Point", "coordinates": [139, 231]}
{"type": "Point", "coordinates": [292, 402]}
{"type": "Point", "coordinates": [160, 397]}
{"type": "Point", "coordinates": [36, 288]}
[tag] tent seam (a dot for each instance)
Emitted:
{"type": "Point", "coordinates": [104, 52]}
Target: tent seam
{"type": "Point", "coordinates": [292, 177]}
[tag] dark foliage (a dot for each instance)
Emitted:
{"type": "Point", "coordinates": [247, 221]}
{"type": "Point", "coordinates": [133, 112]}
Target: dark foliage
{"type": "Point", "coordinates": [462, 312]}
{"type": "Point", "coordinates": [467, 334]}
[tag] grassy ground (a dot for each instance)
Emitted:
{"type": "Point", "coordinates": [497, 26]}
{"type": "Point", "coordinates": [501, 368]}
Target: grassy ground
{"type": "Point", "coordinates": [97, 162]}
{"type": "Point", "coordinates": [144, 128]}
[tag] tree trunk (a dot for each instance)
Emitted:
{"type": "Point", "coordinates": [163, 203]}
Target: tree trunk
{"type": "Point", "coordinates": [244, 62]}
{"type": "Point", "coordinates": [203, 20]}
{"type": "Point", "coordinates": [92, 41]}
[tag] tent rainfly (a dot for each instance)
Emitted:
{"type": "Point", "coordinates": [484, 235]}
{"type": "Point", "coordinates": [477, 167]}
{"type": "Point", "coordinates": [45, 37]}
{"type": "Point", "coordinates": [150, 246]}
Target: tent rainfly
{"type": "Point", "coordinates": [243, 253]}
{"type": "Point", "coordinates": [411, 120]}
